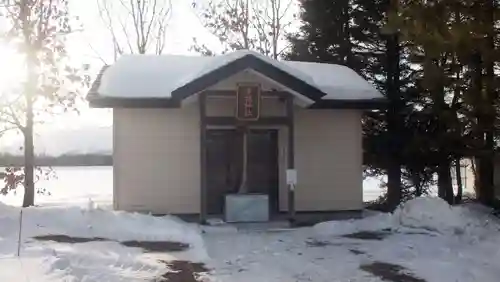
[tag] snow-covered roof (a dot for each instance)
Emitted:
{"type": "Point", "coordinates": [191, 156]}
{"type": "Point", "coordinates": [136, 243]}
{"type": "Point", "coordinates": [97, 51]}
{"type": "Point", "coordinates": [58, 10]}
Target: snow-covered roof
{"type": "Point", "coordinates": [165, 76]}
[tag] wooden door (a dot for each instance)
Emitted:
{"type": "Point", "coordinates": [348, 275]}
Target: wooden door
{"type": "Point", "coordinates": [225, 165]}
{"type": "Point", "coordinates": [262, 169]}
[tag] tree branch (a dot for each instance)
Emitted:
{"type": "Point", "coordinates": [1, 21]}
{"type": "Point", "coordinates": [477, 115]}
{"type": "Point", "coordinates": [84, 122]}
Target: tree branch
{"type": "Point", "coordinates": [143, 26]}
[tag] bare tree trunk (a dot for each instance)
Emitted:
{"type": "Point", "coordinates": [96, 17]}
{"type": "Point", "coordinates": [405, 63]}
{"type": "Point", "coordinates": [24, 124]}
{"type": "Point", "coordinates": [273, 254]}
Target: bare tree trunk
{"type": "Point", "coordinates": [394, 193]}
{"type": "Point", "coordinates": [29, 91]}
{"type": "Point", "coordinates": [485, 110]}
{"type": "Point", "coordinates": [29, 153]}
{"type": "Point", "coordinates": [487, 162]}
{"type": "Point", "coordinates": [417, 182]}
{"type": "Point", "coordinates": [418, 190]}
{"type": "Point", "coordinates": [460, 187]}
{"type": "Point", "coordinates": [445, 187]}
{"type": "Point", "coordinates": [244, 27]}
{"type": "Point", "coordinates": [441, 186]}
{"type": "Point", "coordinates": [475, 174]}
{"type": "Point", "coordinates": [275, 26]}
{"type": "Point", "coordinates": [346, 49]}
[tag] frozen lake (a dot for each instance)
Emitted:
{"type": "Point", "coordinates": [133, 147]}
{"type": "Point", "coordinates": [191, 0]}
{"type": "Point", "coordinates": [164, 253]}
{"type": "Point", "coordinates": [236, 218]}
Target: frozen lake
{"type": "Point", "coordinates": [74, 185]}
{"type": "Point", "coordinates": [77, 185]}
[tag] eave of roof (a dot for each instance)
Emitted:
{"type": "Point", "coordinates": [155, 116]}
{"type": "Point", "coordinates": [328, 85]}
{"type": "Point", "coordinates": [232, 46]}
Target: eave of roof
{"type": "Point", "coordinates": [116, 102]}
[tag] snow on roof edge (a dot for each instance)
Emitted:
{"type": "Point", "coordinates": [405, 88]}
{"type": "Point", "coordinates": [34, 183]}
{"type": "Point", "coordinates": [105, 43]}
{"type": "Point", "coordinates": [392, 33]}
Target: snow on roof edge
{"type": "Point", "coordinates": [154, 72]}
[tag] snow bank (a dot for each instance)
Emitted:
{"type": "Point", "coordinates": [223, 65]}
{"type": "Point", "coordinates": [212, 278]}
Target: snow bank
{"type": "Point", "coordinates": [121, 226]}
{"type": "Point", "coordinates": [429, 214]}
{"type": "Point", "coordinates": [6, 210]}
{"type": "Point", "coordinates": [9, 221]}
{"type": "Point", "coordinates": [93, 261]}
{"type": "Point", "coordinates": [94, 222]}
{"type": "Point", "coordinates": [114, 225]}
{"type": "Point", "coordinates": [432, 214]}
{"type": "Point", "coordinates": [435, 215]}
{"type": "Point", "coordinates": [376, 222]}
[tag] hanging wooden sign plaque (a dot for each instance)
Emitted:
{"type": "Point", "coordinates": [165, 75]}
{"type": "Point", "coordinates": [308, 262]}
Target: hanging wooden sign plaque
{"type": "Point", "coordinates": [248, 101]}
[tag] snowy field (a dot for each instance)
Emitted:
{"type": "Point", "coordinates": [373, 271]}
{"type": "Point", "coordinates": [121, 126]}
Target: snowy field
{"type": "Point", "coordinates": [76, 185]}
{"type": "Point", "coordinates": [71, 238]}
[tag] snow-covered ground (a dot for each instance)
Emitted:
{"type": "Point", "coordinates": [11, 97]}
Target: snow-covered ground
{"type": "Point", "coordinates": [428, 239]}
{"type": "Point", "coordinates": [425, 239]}
{"type": "Point", "coordinates": [105, 259]}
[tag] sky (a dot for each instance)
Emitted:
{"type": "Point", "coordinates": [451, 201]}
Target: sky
{"type": "Point", "coordinates": [91, 40]}
{"type": "Point", "coordinates": [90, 44]}
{"type": "Point", "coordinates": [93, 43]}
{"type": "Point", "coordinates": [183, 26]}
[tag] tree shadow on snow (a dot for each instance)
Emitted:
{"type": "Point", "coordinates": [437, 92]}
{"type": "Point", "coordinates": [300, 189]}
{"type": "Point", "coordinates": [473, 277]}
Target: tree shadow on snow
{"type": "Point", "coordinates": [380, 235]}
{"type": "Point", "coordinates": [149, 246]}
{"type": "Point", "coordinates": [357, 252]}
{"type": "Point", "coordinates": [68, 239]}
{"type": "Point", "coordinates": [157, 246]}
{"type": "Point", "coordinates": [390, 272]}
{"type": "Point", "coordinates": [369, 235]}
{"type": "Point", "coordinates": [183, 271]}
{"type": "Point", "coordinates": [313, 243]}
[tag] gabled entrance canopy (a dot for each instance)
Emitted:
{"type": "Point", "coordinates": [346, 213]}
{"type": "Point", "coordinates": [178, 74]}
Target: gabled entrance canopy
{"type": "Point", "coordinates": [150, 81]}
